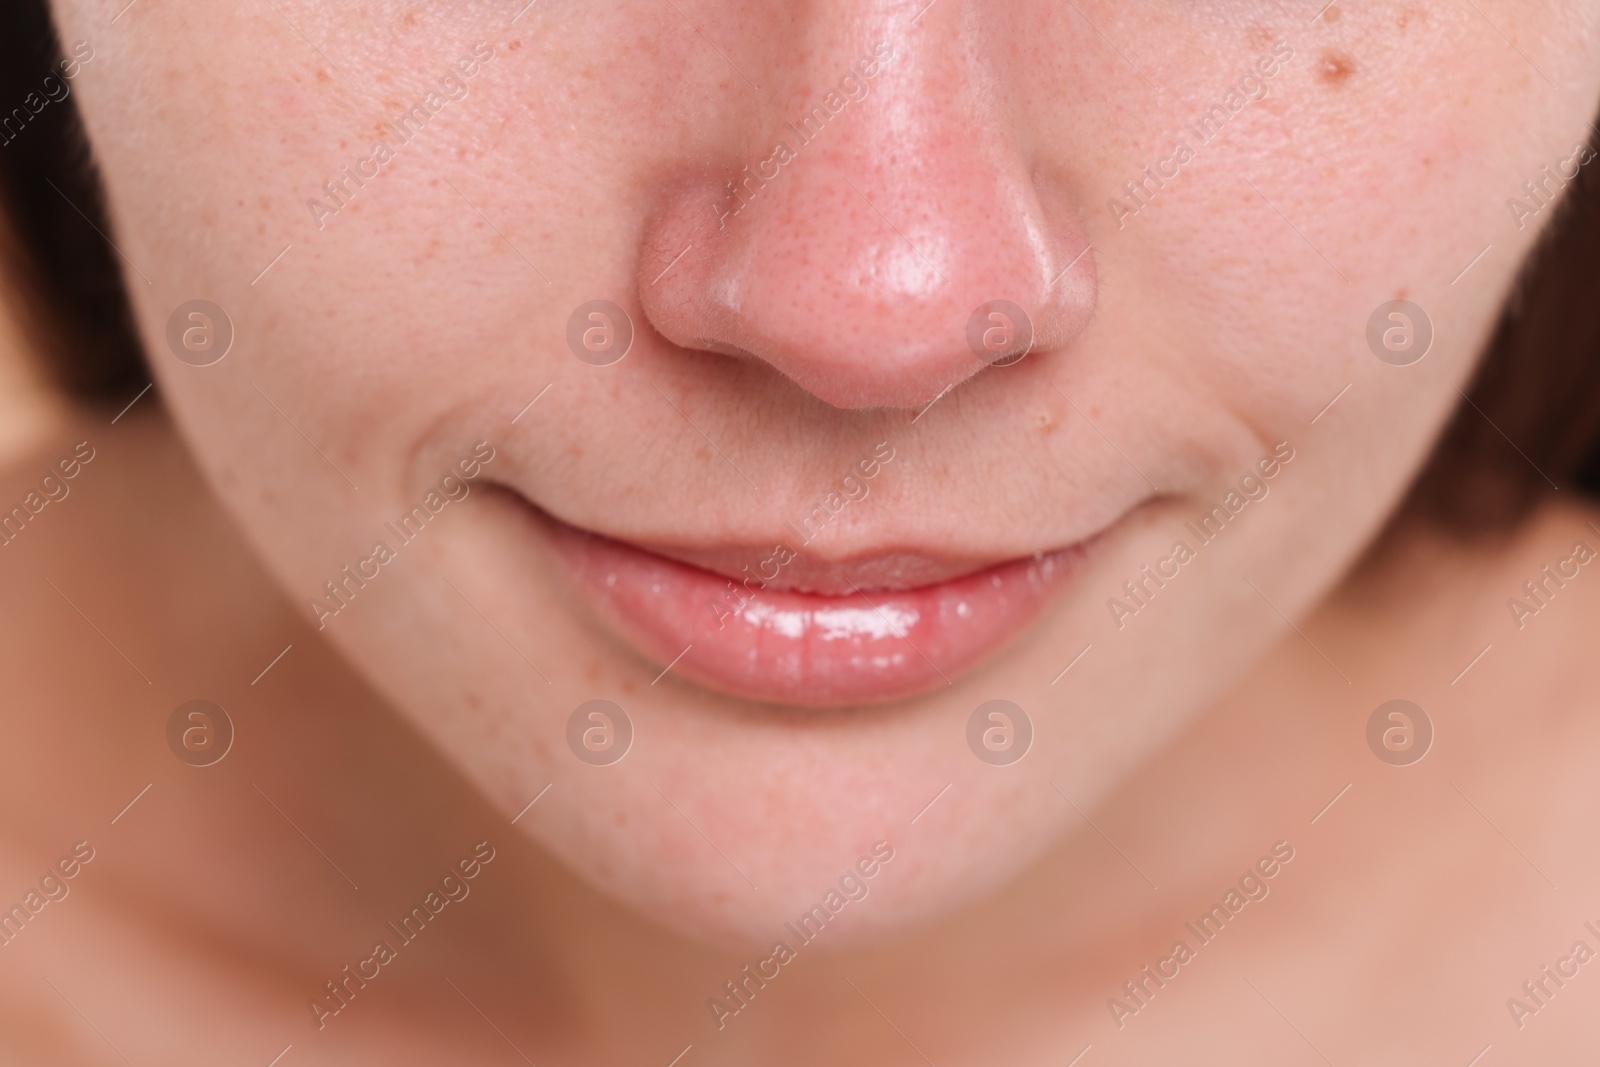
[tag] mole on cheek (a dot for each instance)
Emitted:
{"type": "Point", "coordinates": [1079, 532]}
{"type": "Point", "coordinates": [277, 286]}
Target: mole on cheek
{"type": "Point", "coordinates": [1335, 68]}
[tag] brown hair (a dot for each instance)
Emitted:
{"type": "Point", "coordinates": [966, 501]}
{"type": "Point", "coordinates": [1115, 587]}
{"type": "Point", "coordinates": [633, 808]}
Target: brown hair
{"type": "Point", "coordinates": [63, 274]}
{"type": "Point", "coordinates": [1532, 419]}
{"type": "Point", "coordinates": [1531, 422]}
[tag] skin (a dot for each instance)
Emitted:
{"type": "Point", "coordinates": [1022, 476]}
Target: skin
{"type": "Point", "coordinates": [1220, 319]}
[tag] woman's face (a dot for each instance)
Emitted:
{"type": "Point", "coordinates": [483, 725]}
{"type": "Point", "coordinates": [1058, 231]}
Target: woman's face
{"type": "Point", "coordinates": [879, 520]}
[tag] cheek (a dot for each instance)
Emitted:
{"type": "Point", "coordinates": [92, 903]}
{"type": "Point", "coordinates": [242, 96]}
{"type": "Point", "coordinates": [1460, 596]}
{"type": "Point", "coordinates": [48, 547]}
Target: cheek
{"type": "Point", "coordinates": [1345, 187]}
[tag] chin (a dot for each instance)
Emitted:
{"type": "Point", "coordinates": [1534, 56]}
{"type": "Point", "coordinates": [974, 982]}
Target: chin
{"type": "Point", "coordinates": [806, 817]}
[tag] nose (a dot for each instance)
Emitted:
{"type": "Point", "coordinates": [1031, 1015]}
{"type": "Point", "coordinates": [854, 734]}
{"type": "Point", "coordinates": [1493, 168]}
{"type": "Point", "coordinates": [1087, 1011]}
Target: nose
{"type": "Point", "coordinates": [865, 252]}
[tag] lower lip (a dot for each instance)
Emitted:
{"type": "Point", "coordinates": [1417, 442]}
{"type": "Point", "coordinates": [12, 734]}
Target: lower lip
{"type": "Point", "coordinates": [805, 649]}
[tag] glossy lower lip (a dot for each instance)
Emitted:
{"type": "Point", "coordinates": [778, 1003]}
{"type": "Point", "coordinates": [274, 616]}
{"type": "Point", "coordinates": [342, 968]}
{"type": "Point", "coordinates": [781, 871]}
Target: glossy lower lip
{"type": "Point", "coordinates": [797, 648]}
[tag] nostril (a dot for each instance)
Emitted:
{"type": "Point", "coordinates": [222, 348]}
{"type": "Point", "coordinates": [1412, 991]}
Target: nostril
{"type": "Point", "coordinates": [725, 348]}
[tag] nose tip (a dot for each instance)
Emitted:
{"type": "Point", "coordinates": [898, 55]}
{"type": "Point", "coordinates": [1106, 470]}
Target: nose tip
{"type": "Point", "coordinates": [871, 278]}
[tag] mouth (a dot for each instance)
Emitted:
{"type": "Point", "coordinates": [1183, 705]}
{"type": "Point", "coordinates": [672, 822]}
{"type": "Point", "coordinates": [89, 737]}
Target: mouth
{"type": "Point", "coordinates": [775, 624]}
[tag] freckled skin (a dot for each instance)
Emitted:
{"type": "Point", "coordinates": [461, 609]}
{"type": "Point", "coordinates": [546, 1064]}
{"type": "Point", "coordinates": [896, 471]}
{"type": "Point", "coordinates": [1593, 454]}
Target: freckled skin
{"type": "Point", "coordinates": [967, 159]}
{"type": "Point", "coordinates": [1176, 348]}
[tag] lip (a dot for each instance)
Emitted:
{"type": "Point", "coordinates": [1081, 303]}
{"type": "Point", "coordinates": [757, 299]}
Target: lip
{"type": "Point", "coordinates": [767, 636]}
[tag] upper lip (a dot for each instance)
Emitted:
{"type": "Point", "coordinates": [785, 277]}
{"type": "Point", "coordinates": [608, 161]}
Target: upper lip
{"type": "Point", "coordinates": [879, 571]}
{"type": "Point", "coordinates": [829, 568]}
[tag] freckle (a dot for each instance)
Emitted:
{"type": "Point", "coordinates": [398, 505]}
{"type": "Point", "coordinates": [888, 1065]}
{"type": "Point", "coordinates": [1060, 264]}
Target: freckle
{"type": "Point", "coordinates": [1335, 68]}
{"type": "Point", "coordinates": [1331, 15]}
{"type": "Point", "coordinates": [322, 75]}
{"type": "Point", "coordinates": [515, 45]}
